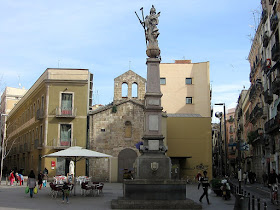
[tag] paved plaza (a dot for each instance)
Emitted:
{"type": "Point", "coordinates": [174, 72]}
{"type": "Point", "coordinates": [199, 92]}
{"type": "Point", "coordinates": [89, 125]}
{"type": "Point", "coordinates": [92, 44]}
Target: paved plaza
{"type": "Point", "coordinates": [13, 197]}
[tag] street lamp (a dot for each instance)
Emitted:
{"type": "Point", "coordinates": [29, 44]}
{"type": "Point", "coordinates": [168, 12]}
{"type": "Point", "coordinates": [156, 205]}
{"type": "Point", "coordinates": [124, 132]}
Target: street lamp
{"type": "Point", "coordinates": [219, 115]}
{"type": "Point", "coordinates": [223, 104]}
{"type": "Point", "coordinates": [2, 146]}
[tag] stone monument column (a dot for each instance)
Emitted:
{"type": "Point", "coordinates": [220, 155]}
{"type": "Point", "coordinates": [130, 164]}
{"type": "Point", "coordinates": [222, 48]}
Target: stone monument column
{"type": "Point", "coordinates": [153, 163]}
{"type": "Point", "coordinates": [152, 187]}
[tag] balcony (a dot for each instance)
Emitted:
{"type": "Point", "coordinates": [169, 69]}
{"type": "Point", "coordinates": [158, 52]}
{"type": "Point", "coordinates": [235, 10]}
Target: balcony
{"type": "Point", "coordinates": [256, 113]}
{"type": "Point", "coordinates": [64, 112]}
{"type": "Point", "coordinates": [254, 136]}
{"type": "Point", "coordinates": [37, 144]}
{"type": "Point", "coordinates": [266, 66]}
{"type": "Point", "coordinates": [40, 114]}
{"type": "Point", "coordinates": [264, 15]}
{"type": "Point", "coordinates": [268, 96]}
{"type": "Point", "coordinates": [276, 85]}
{"type": "Point", "coordinates": [61, 144]}
{"type": "Point", "coordinates": [255, 89]}
{"type": "Point", "coordinates": [239, 114]}
{"type": "Point", "coordinates": [271, 2]}
{"type": "Point", "coordinates": [275, 53]}
{"type": "Point", "coordinates": [273, 21]}
{"type": "Point", "coordinates": [272, 125]}
{"type": "Point", "coordinates": [26, 147]}
{"type": "Point", "coordinates": [265, 39]}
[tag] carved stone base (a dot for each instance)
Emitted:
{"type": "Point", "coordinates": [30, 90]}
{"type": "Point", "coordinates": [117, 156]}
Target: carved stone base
{"type": "Point", "coordinates": [153, 53]}
{"type": "Point", "coordinates": [153, 166]}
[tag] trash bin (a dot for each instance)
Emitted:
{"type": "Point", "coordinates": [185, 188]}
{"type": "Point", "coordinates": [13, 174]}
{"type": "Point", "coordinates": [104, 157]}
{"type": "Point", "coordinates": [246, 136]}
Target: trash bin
{"type": "Point", "coordinates": [241, 202]}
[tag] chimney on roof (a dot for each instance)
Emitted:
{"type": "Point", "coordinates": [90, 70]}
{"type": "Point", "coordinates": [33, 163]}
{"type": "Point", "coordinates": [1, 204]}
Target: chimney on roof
{"type": "Point", "coordinates": [183, 61]}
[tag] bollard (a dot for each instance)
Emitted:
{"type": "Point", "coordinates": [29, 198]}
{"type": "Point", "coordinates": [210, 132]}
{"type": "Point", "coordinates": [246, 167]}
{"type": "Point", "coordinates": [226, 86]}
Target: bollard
{"type": "Point", "coordinates": [259, 204]}
{"type": "Point", "coordinates": [253, 202]}
{"type": "Point", "coordinates": [244, 193]}
{"type": "Point", "coordinates": [264, 206]}
{"type": "Point", "coordinates": [249, 203]}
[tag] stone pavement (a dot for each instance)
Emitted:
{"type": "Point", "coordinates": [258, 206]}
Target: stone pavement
{"type": "Point", "coordinates": [13, 197]}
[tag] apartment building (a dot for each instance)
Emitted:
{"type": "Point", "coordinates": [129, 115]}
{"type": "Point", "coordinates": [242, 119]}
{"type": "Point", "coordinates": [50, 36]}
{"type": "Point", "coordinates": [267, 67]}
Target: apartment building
{"type": "Point", "coordinates": [51, 116]}
{"type": "Point", "coordinates": [261, 107]}
{"type": "Point", "coordinates": [186, 100]}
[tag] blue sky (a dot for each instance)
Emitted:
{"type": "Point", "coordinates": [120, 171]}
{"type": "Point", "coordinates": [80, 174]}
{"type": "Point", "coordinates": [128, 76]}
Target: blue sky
{"type": "Point", "coordinates": [107, 38]}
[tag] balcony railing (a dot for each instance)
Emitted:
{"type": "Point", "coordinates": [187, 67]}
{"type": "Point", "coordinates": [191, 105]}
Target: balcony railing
{"type": "Point", "coordinates": [255, 88]}
{"type": "Point", "coordinates": [268, 96]}
{"type": "Point", "coordinates": [60, 144]}
{"type": "Point", "coordinates": [273, 21]}
{"type": "Point", "coordinates": [37, 144]}
{"type": "Point", "coordinates": [39, 114]}
{"type": "Point", "coordinates": [26, 147]}
{"type": "Point", "coordinates": [256, 113]}
{"type": "Point", "coordinates": [272, 125]}
{"type": "Point", "coordinates": [275, 52]}
{"type": "Point", "coordinates": [64, 112]}
{"type": "Point", "coordinates": [276, 85]}
{"type": "Point", "coordinates": [271, 2]}
{"type": "Point", "coordinates": [265, 67]}
{"type": "Point", "coordinates": [265, 39]}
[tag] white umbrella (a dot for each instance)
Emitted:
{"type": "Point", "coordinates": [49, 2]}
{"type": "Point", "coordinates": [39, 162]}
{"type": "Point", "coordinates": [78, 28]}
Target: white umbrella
{"type": "Point", "coordinates": [76, 154]}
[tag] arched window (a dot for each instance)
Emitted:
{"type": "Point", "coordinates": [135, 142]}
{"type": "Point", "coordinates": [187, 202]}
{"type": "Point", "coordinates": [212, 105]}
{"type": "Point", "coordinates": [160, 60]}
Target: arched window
{"type": "Point", "coordinates": [135, 90]}
{"type": "Point", "coordinates": [128, 129]}
{"type": "Point", "coordinates": [124, 90]}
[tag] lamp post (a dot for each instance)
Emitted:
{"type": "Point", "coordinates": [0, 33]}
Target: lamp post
{"type": "Point", "coordinates": [2, 147]}
{"type": "Point", "coordinates": [219, 115]}
{"type": "Point", "coordinates": [223, 104]}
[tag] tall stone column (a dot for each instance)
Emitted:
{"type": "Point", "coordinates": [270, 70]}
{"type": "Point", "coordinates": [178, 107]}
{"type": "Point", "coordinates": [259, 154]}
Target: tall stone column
{"type": "Point", "coordinates": [153, 164]}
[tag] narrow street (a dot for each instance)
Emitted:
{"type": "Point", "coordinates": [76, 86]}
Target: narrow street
{"type": "Point", "coordinates": [258, 191]}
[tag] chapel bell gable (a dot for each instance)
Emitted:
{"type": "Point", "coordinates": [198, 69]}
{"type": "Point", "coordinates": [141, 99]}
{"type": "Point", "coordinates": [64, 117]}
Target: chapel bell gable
{"type": "Point", "coordinates": [129, 86]}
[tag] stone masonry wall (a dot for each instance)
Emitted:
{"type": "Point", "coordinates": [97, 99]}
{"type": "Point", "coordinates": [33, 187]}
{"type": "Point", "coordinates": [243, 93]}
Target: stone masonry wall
{"type": "Point", "coordinates": [107, 131]}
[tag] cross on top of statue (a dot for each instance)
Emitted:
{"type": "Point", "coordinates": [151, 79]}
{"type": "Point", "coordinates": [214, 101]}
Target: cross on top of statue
{"type": "Point", "coordinates": [151, 32]}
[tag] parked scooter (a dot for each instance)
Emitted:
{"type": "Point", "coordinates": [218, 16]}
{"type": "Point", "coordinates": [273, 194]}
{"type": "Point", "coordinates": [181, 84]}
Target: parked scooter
{"type": "Point", "coordinates": [225, 189]}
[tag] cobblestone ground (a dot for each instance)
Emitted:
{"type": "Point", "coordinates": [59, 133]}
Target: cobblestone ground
{"type": "Point", "coordinates": [13, 197]}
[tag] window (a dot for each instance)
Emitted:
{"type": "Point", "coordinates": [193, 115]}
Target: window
{"type": "Point", "coordinates": [188, 81]}
{"type": "Point", "coordinates": [42, 103]}
{"type": "Point", "coordinates": [134, 90]}
{"type": "Point", "coordinates": [66, 103]}
{"type": "Point", "coordinates": [65, 135]}
{"type": "Point", "coordinates": [124, 90]}
{"type": "Point", "coordinates": [163, 81]}
{"type": "Point", "coordinates": [188, 100]}
{"type": "Point", "coordinates": [103, 130]}
{"type": "Point", "coordinates": [41, 134]}
{"type": "Point", "coordinates": [128, 129]}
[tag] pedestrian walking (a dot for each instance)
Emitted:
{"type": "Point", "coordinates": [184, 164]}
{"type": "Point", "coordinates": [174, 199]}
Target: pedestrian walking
{"type": "Point", "coordinates": [198, 175]}
{"type": "Point", "coordinates": [265, 178]}
{"type": "Point", "coordinates": [31, 183]}
{"type": "Point", "coordinates": [45, 178]}
{"type": "Point", "coordinates": [65, 192]}
{"type": "Point", "coordinates": [245, 177]}
{"type": "Point", "coordinates": [12, 178]}
{"type": "Point", "coordinates": [204, 181]}
{"type": "Point", "coordinates": [40, 179]}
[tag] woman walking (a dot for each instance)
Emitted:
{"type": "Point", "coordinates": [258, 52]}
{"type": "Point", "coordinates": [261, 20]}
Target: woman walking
{"type": "Point", "coordinates": [31, 182]}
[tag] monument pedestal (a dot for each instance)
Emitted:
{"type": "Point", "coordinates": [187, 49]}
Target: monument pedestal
{"type": "Point", "coordinates": [154, 194]}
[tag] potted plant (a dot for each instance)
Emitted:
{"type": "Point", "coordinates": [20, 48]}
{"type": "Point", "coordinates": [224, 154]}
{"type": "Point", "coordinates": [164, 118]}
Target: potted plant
{"type": "Point", "coordinates": [216, 186]}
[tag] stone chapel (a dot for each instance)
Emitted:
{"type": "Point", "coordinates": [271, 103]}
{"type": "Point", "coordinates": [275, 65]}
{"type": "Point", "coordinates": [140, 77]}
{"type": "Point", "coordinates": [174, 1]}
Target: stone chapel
{"type": "Point", "coordinates": [115, 129]}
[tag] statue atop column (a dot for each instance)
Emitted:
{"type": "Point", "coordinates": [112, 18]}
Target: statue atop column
{"type": "Point", "coordinates": [151, 32]}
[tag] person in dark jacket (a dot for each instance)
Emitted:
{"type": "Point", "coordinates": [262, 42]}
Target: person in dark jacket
{"type": "Point", "coordinates": [40, 179]}
{"type": "Point", "coordinates": [65, 192]}
{"type": "Point", "coordinates": [205, 184]}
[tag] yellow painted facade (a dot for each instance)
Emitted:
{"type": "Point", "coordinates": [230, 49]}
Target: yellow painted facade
{"type": "Point", "coordinates": [51, 116]}
{"type": "Point", "coordinates": [186, 99]}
